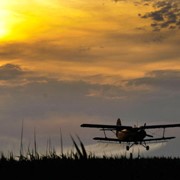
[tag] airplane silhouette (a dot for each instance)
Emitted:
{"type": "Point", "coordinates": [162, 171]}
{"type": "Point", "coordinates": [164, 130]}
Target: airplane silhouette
{"type": "Point", "coordinates": [131, 135]}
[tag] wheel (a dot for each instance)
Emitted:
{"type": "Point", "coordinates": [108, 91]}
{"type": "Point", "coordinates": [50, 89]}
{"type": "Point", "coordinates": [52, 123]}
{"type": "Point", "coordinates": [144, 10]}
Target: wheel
{"type": "Point", "coordinates": [147, 148]}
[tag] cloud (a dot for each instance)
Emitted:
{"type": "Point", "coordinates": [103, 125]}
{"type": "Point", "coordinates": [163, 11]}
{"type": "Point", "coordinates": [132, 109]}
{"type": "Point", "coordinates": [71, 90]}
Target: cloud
{"type": "Point", "coordinates": [15, 75]}
{"type": "Point", "coordinates": [11, 71]}
{"type": "Point", "coordinates": [165, 15]}
{"type": "Point", "coordinates": [159, 79]}
{"type": "Point", "coordinates": [43, 50]}
{"type": "Point", "coordinates": [48, 104]}
{"type": "Point", "coordinates": [117, 47]}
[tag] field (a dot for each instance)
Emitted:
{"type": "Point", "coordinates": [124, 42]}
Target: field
{"type": "Point", "coordinates": [92, 168]}
{"type": "Point", "coordinates": [79, 165]}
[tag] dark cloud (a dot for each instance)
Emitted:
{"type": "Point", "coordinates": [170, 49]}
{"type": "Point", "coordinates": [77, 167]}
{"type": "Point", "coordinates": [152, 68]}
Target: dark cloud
{"type": "Point", "coordinates": [166, 15]}
{"type": "Point", "coordinates": [11, 71]}
{"type": "Point", "coordinates": [44, 50]}
{"type": "Point", "coordinates": [166, 80]}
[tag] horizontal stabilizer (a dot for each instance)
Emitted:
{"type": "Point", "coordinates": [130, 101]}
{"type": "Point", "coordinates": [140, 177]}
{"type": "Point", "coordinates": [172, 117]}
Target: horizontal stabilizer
{"type": "Point", "coordinates": [106, 139]}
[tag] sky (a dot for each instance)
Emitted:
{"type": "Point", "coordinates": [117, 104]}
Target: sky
{"type": "Point", "coordinates": [68, 62]}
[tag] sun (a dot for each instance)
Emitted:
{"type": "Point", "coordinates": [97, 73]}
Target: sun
{"type": "Point", "coordinates": [4, 23]}
{"type": "Point", "coordinates": [11, 24]}
{"type": "Point", "coordinates": [3, 30]}
{"type": "Point", "coordinates": [18, 22]}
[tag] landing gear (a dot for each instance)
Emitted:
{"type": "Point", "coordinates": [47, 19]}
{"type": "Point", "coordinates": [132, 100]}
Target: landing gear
{"type": "Point", "coordinates": [144, 145]}
{"type": "Point", "coordinates": [129, 146]}
{"type": "Point", "coordinates": [147, 148]}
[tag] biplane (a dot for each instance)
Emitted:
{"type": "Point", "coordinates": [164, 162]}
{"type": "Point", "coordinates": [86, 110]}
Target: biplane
{"type": "Point", "coordinates": [132, 135]}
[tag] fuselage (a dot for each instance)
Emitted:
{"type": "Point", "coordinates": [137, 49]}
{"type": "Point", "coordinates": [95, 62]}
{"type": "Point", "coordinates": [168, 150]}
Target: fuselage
{"type": "Point", "coordinates": [133, 134]}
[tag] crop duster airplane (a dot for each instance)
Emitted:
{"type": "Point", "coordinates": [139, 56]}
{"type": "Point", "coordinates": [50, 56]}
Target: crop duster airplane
{"type": "Point", "coordinates": [131, 135]}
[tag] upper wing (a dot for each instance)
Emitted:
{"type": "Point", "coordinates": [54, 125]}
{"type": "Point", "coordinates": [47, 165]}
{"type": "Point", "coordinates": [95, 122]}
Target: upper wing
{"type": "Point", "coordinates": [115, 127]}
{"type": "Point", "coordinates": [160, 126]}
{"type": "Point", "coordinates": [106, 127]}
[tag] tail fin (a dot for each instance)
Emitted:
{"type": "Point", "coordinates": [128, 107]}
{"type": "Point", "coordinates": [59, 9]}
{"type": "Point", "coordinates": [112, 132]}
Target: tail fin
{"type": "Point", "coordinates": [118, 123]}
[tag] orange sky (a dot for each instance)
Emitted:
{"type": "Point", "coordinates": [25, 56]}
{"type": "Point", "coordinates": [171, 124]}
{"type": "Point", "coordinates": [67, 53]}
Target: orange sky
{"type": "Point", "coordinates": [105, 36]}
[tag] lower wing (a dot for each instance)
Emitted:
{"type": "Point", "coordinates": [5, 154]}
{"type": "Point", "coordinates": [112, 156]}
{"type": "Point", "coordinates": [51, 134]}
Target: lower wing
{"type": "Point", "coordinates": [144, 140]}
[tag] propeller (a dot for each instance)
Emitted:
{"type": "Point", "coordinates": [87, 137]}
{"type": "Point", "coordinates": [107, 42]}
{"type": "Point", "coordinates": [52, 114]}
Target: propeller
{"type": "Point", "coordinates": [148, 135]}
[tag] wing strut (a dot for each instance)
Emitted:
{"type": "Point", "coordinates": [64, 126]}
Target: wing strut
{"type": "Point", "coordinates": [104, 133]}
{"type": "Point", "coordinates": [163, 132]}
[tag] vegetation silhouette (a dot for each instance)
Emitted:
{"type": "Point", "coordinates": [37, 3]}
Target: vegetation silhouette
{"type": "Point", "coordinates": [79, 164]}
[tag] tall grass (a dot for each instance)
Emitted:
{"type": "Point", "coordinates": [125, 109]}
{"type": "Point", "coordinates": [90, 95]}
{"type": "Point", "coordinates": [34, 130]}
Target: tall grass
{"type": "Point", "coordinates": [78, 152]}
